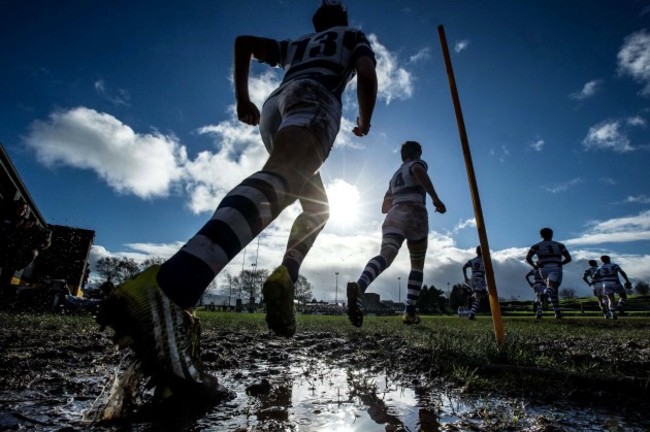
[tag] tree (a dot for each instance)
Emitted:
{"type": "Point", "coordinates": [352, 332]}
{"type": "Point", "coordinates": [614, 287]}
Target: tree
{"type": "Point", "coordinates": [251, 283]}
{"type": "Point", "coordinates": [117, 269]}
{"type": "Point", "coordinates": [303, 289]}
{"type": "Point", "coordinates": [642, 288]}
{"type": "Point", "coordinates": [108, 268]}
{"type": "Point", "coordinates": [567, 293]}
{"type": "Point", "coordinates": [460, 295]}
{"type": "Point", "coordinates": [151, 261]}
{"type": "Point", "coordinates": [230, 288]}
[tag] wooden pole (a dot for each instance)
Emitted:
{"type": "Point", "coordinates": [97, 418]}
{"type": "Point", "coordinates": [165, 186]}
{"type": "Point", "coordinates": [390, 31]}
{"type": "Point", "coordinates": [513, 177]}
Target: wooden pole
{"type": "Point", "coordinates": [476, 200]}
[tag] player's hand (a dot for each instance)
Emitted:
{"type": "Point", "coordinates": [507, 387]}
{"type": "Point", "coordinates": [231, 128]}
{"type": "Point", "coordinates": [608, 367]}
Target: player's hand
{"type": "Point", "coordinates": [628, 285]}
{"type": "Point", "coordinates": [248, 113]}
{"type": "Point", "coordinates": [360, 129]}
{"type": "Point", "coordinates": [440, 206]}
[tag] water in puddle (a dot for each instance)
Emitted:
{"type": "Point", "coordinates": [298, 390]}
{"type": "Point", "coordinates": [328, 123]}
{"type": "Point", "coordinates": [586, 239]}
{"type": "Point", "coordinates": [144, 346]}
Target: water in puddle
{"type": "Point", "coordinates": [311, 394]}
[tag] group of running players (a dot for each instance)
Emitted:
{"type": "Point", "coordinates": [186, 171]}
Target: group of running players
{"type": "Point", "coordinates": [545, 278]}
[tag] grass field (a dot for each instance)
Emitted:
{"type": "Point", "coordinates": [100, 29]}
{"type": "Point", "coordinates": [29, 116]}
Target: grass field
{"type": "Point", "coordinates": [581, 352]}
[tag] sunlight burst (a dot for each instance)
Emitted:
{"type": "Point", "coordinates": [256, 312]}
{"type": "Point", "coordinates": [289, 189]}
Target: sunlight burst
{"type": "Point", "coordinates": [344, 202]}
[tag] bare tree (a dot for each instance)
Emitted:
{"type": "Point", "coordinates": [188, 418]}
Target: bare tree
{"type": "Point", "coordinates": [117, 269]}
{"type": "Point", "coordinates": [303, 289]}
{"type": "Point", "coordinates": [642, 288]}
{"type": "Point", "coordinates": [567, 293]}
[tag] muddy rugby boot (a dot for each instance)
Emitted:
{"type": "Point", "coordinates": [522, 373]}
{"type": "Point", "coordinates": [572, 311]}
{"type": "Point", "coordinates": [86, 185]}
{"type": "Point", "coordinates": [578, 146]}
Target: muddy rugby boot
{"type": "Point", "coordinates": [355, 304]}
{"type": "Point", "coordinates": [164, 337]}
{"type": "Point", "coordinates": [278, 291]}
{"type": "Point", "coordinates": [411, 318]}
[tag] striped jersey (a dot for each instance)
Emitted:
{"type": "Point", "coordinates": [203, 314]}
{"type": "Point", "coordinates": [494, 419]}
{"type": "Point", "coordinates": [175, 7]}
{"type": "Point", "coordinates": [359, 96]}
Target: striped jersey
{"type": "Point", "coordinates": [591, 273]}
{"type": "Point", "coordinates": [608, 272]}
{"type": "Point", "coordinates": [477, 266]}
{"type": "Point", "coordinates": [404, 187]}
{"type": "Point", "coordinates": [327, 57]}
{"type": "Point", "coordinates": [549, 253]}
{"type": "Point", "coordinates": [537, 277]}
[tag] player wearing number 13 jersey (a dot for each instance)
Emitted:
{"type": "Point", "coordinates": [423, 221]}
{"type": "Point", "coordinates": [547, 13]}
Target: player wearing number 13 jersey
{"type": "Point", "coordinates": [551, 256]}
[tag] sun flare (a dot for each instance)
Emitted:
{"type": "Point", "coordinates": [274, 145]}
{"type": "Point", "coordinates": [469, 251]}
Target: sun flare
{"type": "Point", "coordinates": [344, 202]}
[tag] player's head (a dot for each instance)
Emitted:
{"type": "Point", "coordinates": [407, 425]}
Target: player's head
{"type": "Point", "coordinates": [593, 263]}
{"type": "Point", "coordinates": [546, 233]}
{"type": "Point", "coordinates": [478, 250]}
{"type": "Point", "coordinates": [411, 150]}
{"type": "Point", "coordinates": [330, 14]}
{"type": "Point", "coordinates": [605, 259]}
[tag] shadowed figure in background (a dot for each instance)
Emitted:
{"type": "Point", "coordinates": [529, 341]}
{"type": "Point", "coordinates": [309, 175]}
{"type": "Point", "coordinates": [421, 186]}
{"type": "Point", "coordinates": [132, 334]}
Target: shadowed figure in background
{"type": "Point", "coordinates": [551, 257]}
{"type": "Point", "coordinates": [406, 219]}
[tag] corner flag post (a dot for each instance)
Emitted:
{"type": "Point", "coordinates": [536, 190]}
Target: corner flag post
{"type": "Point", "coordinates": [476, 200]}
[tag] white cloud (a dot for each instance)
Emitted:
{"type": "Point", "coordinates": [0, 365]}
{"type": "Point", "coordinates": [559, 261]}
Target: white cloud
{"type": "Point", "coordinates": [642, 199]}
{"type": "Point", "coordinates": [146, 165]}
{"type": "Point", "coordinates": [562, 187]}
{"type": "Point", "coordinates": [634, 59]}
{"type": "Point", "coordinates": [461, 45]}
{"type": "Point", "coordinates": [587, 91]}
{"type": "Point", "coordinates": [423, 54]}
{"type": "Point", "coordinates": [119, 97]}
{"type": "Point", "coordinates": [616, 230]}
{"type": "Point", "coordinates": [537, 145]}
{"type": "Point", "coordinates": [394, 81]}
{"type": "Point", "coordinates": [608, 135]}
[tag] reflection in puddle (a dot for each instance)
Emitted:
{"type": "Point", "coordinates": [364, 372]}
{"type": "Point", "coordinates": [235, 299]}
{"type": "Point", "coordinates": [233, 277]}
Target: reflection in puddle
{"type": "Point", "coordinates": [313, 395]}
{"type": "Point", "coordinates": [302, 393]}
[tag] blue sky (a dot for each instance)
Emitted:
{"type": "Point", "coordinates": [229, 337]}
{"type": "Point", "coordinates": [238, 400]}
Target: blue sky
{"type": "Point", "coordinates": [119, 118]}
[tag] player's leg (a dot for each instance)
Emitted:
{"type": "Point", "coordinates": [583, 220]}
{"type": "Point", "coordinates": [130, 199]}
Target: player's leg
{"type": "Point", "coordinates": [307, 226]}
{"type": "Point", "coordinates": [279, 288]}
{"type": "Point", "coordinates": [417, 252]}
{"type": "Point", "coordinates": [622, 298]}
{"type": "Point", "coordinates": [391, 242]}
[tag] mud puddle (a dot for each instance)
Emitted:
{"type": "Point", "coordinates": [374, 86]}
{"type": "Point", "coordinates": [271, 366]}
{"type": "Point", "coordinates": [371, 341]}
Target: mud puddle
{"type": "Point", "coordinates": [306, 393]}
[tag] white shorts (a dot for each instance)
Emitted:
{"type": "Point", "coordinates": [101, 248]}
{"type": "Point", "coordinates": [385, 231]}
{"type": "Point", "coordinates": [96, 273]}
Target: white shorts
{"type": "Point", "coordinates": [303, 103]}
{"type": "Point", "coordinates": [478, 284]}
{"type": "Point", "coordinates": [612, 288]}
{"type": "Point", "coordinates": [552, 274]}
{"type": "Point", "coordinates": [409, 220]}
{"type": "Point", "coordinates": [598, 289]}
{"type": "Point", "coordinates": [539, 288]}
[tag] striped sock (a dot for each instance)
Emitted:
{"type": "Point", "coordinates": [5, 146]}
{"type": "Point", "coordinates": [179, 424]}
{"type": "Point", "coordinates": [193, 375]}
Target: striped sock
{"type": "Point", "coordinates": [240, 217]}
{"type": "Point", "coordinates": [413, 289]}
{"type": "Point", "coordinates": [373, 269]}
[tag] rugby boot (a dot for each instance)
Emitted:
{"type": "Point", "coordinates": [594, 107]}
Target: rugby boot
{"type": "Point", "coordinates": [410, 318]}
{"type": "Point", "coordinates": [278, 291]}
{"type": "Point", "coordinates": [355, 304]}
{"type": "Point", "coordinates": [164, 337]}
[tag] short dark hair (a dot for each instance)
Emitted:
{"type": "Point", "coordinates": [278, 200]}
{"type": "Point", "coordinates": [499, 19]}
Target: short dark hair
{"type": "Point", "coordinates": [593, 262]}
{"type": "Point", "coordinates": [330, 14]}
{"type": "Point", "coordinates": [605, 259]}
{"type": "Point", "coordinates": [546, 233]}
{"type": "Point", "coordinates": [411, 150]}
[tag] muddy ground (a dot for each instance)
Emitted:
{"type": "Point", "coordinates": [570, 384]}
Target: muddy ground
{"type": "Point", "coordinates": [52, 381]}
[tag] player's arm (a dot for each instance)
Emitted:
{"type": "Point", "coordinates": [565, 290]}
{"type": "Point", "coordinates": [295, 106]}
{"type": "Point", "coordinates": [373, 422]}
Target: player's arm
{"type": "Point", "coordinates": [465, 267]}
{"type": "Point", "coordinates": [528, 275]}
{"type": "Point", "coordinates": [529, 258]}
{"type": "Point", "coordinates": [585, 278]}
{"type": "Point", "coordinates": [567, 257]}
{"type": "Point", "coordinates": [246, 48]}
{"type": "Point", "coordinates": [366, 93]}
{"type": "Point", "coordinates": [387, 203]}
{"type": "Point", "coordinates": [627, 281]}
{"type": "Point", "coordinates": [423, 178]}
